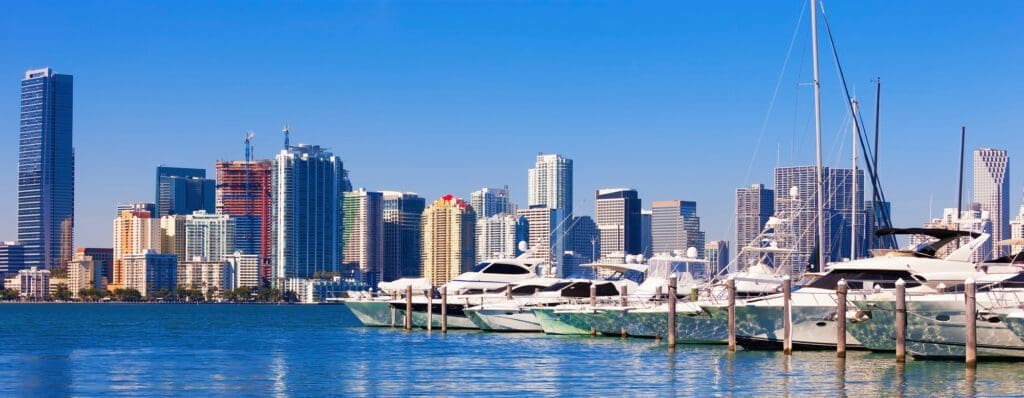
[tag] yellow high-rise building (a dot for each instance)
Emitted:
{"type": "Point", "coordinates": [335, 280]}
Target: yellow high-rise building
{"type": "Point", "coordinates": [449, 239]}
{"type": "Point", "coordinates": [135, 231]}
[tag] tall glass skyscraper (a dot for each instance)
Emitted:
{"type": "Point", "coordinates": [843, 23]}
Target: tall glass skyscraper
{"type": "Point", "coordinates": [676, 227]}
{"type": "Point", "coordinates": [402, 235]}
{"type": "Point", "coordinates": [992, 191]}
{"type": "Point", "coordinates": [618, 219]}
{"type": "Point", "coordinates": [46, 169]}
{"type": "Point", "coordinates": [182, 191]}
{"type": "Point", "coordinates": [308, 190]}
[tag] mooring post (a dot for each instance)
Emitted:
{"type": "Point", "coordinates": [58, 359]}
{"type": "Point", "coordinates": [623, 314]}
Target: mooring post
{"type": "Point", "coordinates": [508, 292]}
{"type": "Point", "coordinates": [730, 283]}
{"type": "Point", "coordinates": [593, 305]}
{"type": "Point", "coordinates": [971, 322]}
{"type": "Point", "coordinates": [430, 308]}
{"type": "Point", "coordinates": [624, 302]}
{"type": "Point", "coordinates": [444, 309]}
{"type": "Point", "coordinates": [657, 293]}
{"type": "Point", "coordinates": [408, 307]}
{"type": "Point", "coordinates": [841, 318]}
{"type": "Point", "coordinates": [901, 321]}
{"type": "Point", "coordinates": [672, 311]}
{"type": "Point", "coordinates": [787, 315]}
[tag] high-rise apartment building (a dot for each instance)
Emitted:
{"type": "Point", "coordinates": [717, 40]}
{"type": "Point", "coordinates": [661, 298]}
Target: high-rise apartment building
{"type": "Point", "coordinates": [490, 201]}
{"type": "Point", "coordinates": [308, 187]}
{"type": "Point", "coordinates": [716, 253]}
{"type": "Point", "coordinates": [134, 232]}
{"type": "Point", "coordinates": [992, 191]}
{"type": "Point", "coordinates": [449, 244]}
{"type": "Point", "coordinates": [173, 236]}
{"type": "Point", "coordinates": [754, 206]}
{"type": "Point", "coordinates": [547, 235]}
{"type": "Point", "coordinates": [205, 275]}
{"type": "Point", "coordinates": [46, 169]}
{"type": "Point", "coordinates": [245, 270]}
{"type": "Point", "coordinates": [363, 256]}
{"type": "Point", "coordinates": [1017, 230]}
{"type": "Point", "coordinates": [801, 211]}
{"type": "Point", "coordinates": [498, 236]}
{"type": "Point", "coordinates": [182, 190]}
{"type": "Point", "coordinates": [244, 193]}
{"type": "Point", "coordinates": [676, 227]}
{"type": "Point", "coordinates": [209, 236]}
{"type": "Point", "coordinates": [618, 219]}
{"type": "Point", "coordinates": [403, 212]}
{"type": "Point", "coordinates": [550, 183]}
{"type": "Point", "coordinates": [85, 272]}
{"type": "Point", "coordinates": [34, 283]}
{"type": "Point", "coordinates": [149, 272]}
{"type": "Point", "coordinates": [12, 258]}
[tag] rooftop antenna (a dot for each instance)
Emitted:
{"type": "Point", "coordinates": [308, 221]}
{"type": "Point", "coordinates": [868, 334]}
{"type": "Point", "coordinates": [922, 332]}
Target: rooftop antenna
{"type": "Point", "coordinates": [285, 130]}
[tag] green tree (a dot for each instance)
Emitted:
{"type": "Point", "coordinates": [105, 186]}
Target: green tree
{"type": "Point", "coordinates": [290, 296]}
{"type": "Point", "coordinates": [62, 293]}
{"type": "Point", "coordinates": [211, 293]}
{"type": "Point", "coordinates": [162, 294]}
{"type": "Point", "coordinates": [9, 294]}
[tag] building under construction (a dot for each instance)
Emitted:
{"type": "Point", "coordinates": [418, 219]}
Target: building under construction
{"type": "Point", "coordinates": [243, 192]}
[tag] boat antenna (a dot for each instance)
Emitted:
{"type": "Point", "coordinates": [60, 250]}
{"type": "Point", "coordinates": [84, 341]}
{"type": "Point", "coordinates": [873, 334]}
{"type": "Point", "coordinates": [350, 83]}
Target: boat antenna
{"type": "Point", "coordinates": [960, 184]}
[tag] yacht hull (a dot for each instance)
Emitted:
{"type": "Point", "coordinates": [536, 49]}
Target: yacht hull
{"type": "Point", "coordinates": [559, 323]}
{"type": "Point", "coordinates": [457, 318]}
{"type": "Point", "coordinates": [371, 313]}
{"type": "Point", "coordinates": [937, 330]}
{"type": "Point", "coordinates": [693, 325]}
{"type": "Point", "coordinates": [761, 326]}
{"type": "Point", "coordinates": [519, 319]}
{"type": "Point", "coordinates": [874, 326]}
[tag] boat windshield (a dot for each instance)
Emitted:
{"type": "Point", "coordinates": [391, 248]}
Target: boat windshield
{"type": "Point", "coordinates": [864, 279]}
{"type": "Point", "coordinates": [479, 267]}
{"type": "Point", "coordinates": [500, 268]}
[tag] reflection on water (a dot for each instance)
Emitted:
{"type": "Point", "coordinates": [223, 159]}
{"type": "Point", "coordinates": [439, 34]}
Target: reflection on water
{"type": "Point", "coordinates": [177, 350]}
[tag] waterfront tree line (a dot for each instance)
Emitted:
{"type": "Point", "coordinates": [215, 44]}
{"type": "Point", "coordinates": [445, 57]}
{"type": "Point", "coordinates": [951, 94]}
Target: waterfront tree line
{"type": "Point", "coordinates": [181, 294]}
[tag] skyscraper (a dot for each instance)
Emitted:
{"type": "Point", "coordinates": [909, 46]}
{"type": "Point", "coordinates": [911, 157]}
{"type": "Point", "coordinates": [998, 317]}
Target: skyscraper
{"type": "Point", "coordinates": [547, 235]}
{"type": "Point", "coordinates": [46, 169]}
{"type": "Point", "coordinates": [490, 201]}
{"type": "Point", "coordinates": [646, 233]}
{"type": "Point", "coordinates": [717, 254]}
{"type": "Point", "coordinates": [308, 188]}
{"type": "Point", "coordinates": [1017, 230]}
{"type": "Point", "coordinates": [173, 237]}
{"type": "Point", "coordinates": [363, 255]}
{"type": "Point", "coordinates": [402, 235]}
{"type": "Point", "coordinates": [676, 227]}
{"type": "Point", "coordinates": [135, 232]}
{"type": "Point", "coordinates": [103, 260]}
{"type": "Point", "coordinates": [802, 236]}
{"type": "Point", "coordinates": [149, 272]}
{"type": "Point", "coordinates": [754, 206]}
{"type": "Point", "coordinates": [12, 258]}
{"type": "Point", "coordinates": [550, 183]}
{"type": "Point", "coordinates": [244, 193]}
{"type": "Point", "coordinates": [209, 236]}
{"type": "Point", "coordinates": [182, 190]}
{"type": "Point", "coordinates": [618, 219]}
{"type": "Point", "coordinates": [449, 245]}
{"type": "Point", "coordinates": [585, 239]}
{"type": "Point", "coordinates": [971, 219]}
{"type": "Point", "coordinates": [992, 191]}
{"type": "Point", "coordinates": [498, 236]}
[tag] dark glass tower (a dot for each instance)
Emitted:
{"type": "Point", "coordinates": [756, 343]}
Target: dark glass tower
{"type": "Point", "coordinates": [181, 191]}
{"type": "Point", "coordinates": [46, 169]}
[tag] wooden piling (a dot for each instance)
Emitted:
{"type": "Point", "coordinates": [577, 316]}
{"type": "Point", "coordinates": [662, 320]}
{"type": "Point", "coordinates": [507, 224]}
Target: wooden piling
{"type": "Point", "coordinates": [901, 321]}
{"type": "Point", "coordinates": [971, 322]}
{"type": "Point", "coordinates": [508, 292]}
{"type": "Point", "coordinates": [672, 311]}
{"type": "Point", "coordinates": [408, 307]}
{"type": "Point", "coordinates": [593, 305]}
{"type": "Point", "coordinates": [430, 308]}
{"type": "Point", "coordinates": [787, 315]}
{"type": "Point", "coordinates": [841, 289]}
{"type": "Point", "coordinates": [444, 309]}
{"type": "Point", "coordinates": [730, 284]}
{"type": "Point", "coordinates": [657, 292]}
{"type": "Point", "coordinates": [624, 302]}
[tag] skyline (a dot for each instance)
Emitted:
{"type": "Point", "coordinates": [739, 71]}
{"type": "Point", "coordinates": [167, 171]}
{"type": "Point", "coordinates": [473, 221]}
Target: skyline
{"type": "Point", "coordinates": [614, 82]}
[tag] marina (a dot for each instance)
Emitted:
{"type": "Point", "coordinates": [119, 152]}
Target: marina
{"type": "Point", "coordinates": [231, 350]}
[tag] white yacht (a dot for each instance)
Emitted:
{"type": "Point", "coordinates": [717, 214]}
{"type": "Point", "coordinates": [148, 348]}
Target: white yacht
{"type": "Point", "coordinates": [516, 314]}
{"type": "Point", "coordinates": [759, 321]}
{"type": "Point", "coordinates": [936, 320]}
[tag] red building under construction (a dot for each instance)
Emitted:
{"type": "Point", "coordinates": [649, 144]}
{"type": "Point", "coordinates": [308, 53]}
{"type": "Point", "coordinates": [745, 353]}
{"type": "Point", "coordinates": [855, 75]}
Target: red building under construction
{"type": "Point", "coordinates": [243, 191]}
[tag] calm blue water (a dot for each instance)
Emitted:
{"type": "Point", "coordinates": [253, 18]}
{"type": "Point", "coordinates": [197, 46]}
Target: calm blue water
{"type": "Point", "coordinates": [253, 350]}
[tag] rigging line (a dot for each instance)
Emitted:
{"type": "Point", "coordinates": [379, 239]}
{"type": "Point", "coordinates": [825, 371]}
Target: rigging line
{"type": "Point", "coordinates": [878, 194]}
{"type": "Point", "coordinates": [775, 93]}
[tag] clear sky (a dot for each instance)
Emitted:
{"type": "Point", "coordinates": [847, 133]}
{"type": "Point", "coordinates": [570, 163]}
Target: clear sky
{"type": "Point", "coordinates": [435, 97]}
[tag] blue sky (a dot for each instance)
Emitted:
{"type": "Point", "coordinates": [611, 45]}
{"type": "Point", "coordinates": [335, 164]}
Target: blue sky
{"type": "Point", "coordinates": [436, 97]}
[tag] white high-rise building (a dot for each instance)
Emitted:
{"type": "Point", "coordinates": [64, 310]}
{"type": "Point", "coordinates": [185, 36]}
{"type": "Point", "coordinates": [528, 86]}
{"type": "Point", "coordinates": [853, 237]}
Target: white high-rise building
{"type": "Point", "coordinates": [364, 236]}
{"type": "Point", "coordinates": [497, 236]}
{"type": "Point", "coordinates": [209, 236]}
{"type": "Point", "coordinates": [547, 235]}
{"type": "Point", "coordinates": [992, 191]}
{"type": "Point", "coordinates": [1017, 230]}
{"type": "Point", "coordinates": [972, 219]}
{"type": "Point", "coordinates": [205, 275]}
{"type": "Point", "coordinates": [487, 202]}
{"type": "Point", "coordinates": [34, 283]}
{"type": "Point", "coordinates": [308, 184]}
{"type": "Point", "coordinates": [550, 183]}
{"type": "Point", "coordinates": [149, 272]}
{"type": "Point", "coordinates": [245, 270]}
{"type": "Point", "coordinates": [84, 273]}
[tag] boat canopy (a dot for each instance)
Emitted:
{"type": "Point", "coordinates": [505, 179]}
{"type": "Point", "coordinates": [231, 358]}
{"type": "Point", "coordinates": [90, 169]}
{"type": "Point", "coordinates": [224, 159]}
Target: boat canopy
{"type": "Point", "coordinates": [942, 237]}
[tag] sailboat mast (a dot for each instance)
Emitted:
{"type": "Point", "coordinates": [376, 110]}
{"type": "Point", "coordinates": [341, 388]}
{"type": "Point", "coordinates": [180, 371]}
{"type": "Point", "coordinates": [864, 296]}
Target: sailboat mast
{"type": "Point", "coordinates": [817, 136]}
{"type": "Point", "coordinates": [853, 193]}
